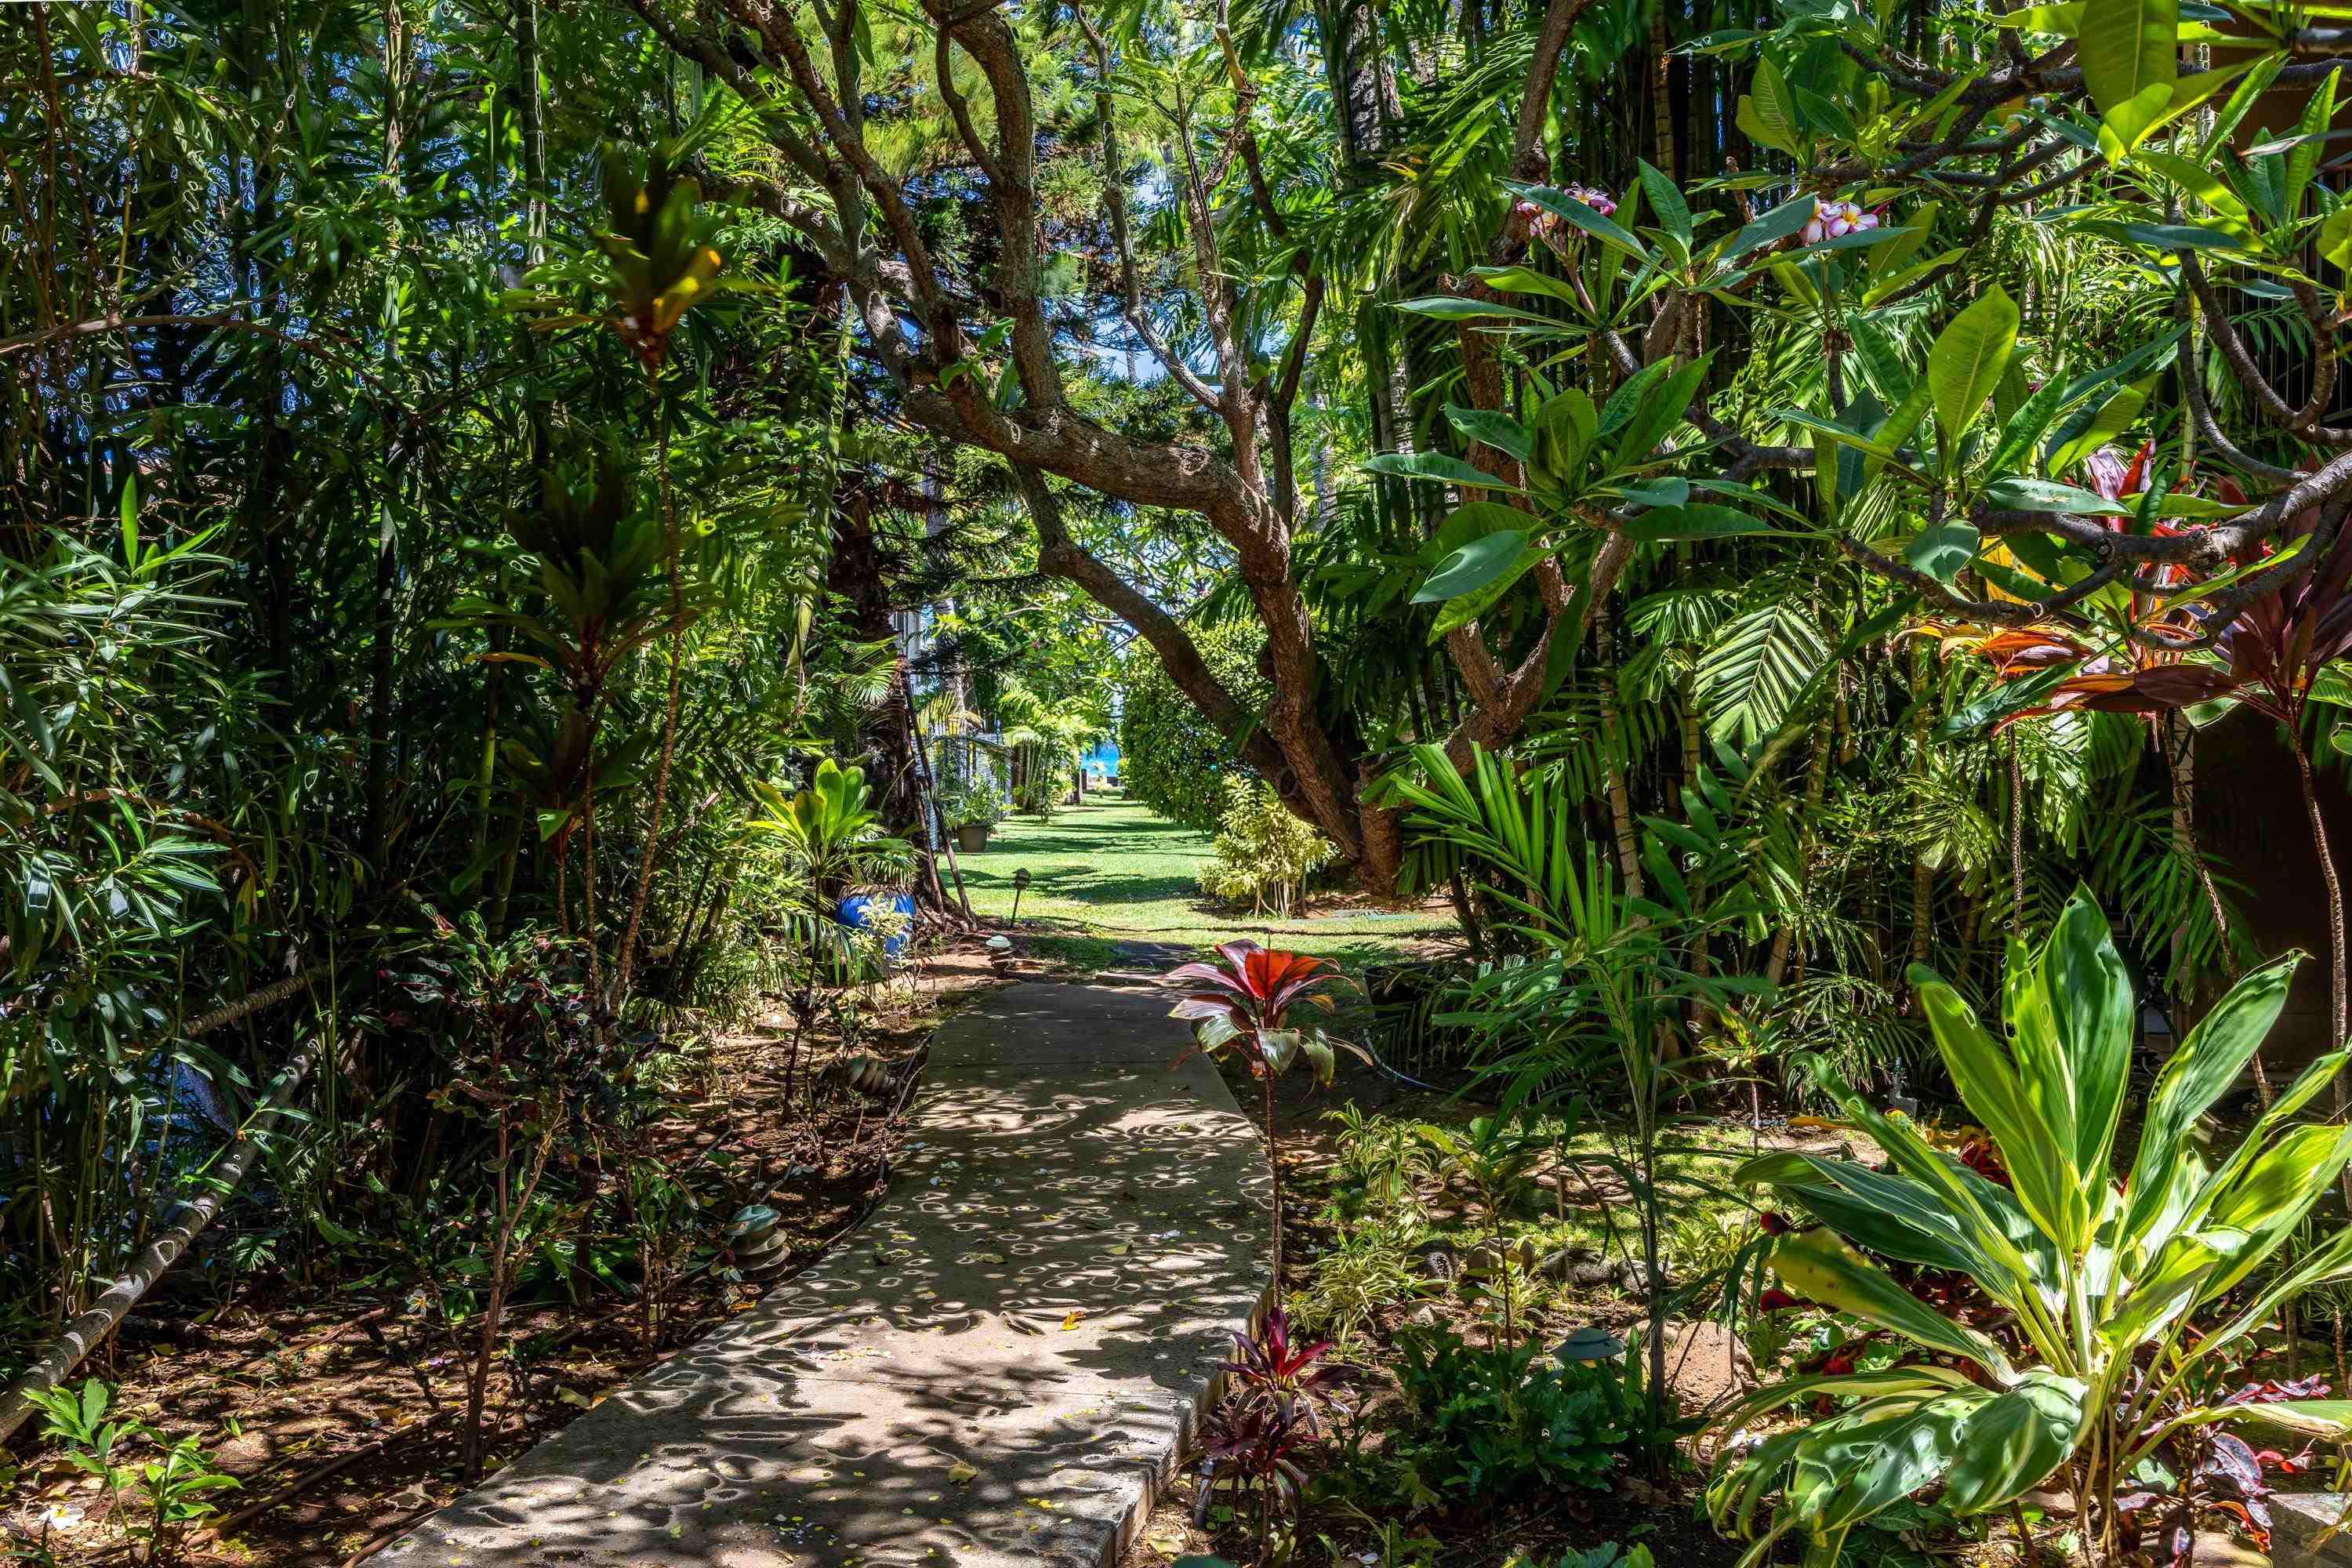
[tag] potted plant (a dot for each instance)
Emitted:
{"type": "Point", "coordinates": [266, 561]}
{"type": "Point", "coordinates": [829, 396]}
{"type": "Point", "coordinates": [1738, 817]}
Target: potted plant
{"type": "Point", "coordinates": [970, 812]}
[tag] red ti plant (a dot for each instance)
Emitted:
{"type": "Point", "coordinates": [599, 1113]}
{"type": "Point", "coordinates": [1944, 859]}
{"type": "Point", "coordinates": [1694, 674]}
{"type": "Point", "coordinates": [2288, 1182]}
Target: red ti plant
{"type": "Point", "coordinates": [2269, 658]}
{"type": "Point", "coordinates": [1270, 1367]}
{"type": "Point", "coordinates": [1259, 1446]}
{"type": "Point", "coordinates": [1245, 1006]}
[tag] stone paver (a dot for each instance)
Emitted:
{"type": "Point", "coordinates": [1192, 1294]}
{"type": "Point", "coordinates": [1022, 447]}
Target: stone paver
{"type": "Point", "coordinates": [999, 1366]}
{"type": "Point", "coordinates": [2302, 1531]}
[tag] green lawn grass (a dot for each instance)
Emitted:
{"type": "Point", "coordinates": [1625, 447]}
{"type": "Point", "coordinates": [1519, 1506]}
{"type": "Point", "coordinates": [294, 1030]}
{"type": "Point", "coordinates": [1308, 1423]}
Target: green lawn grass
{"type": "Point", "coordinates": [1112, 868]}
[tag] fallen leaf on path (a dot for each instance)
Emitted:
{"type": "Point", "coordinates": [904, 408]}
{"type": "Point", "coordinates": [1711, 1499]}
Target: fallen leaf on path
{"type": "Point", "coordinates": [1071, 1322]}
{"type": "Point", "coordinates": [961, 1473]}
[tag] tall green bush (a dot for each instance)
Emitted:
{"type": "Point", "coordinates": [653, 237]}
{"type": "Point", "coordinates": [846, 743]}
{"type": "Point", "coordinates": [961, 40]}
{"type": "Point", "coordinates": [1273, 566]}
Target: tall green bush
{"type": "Point", "coordinates": [1262, 853]}
{"type": "Point", "coordinates": [1172, 758]}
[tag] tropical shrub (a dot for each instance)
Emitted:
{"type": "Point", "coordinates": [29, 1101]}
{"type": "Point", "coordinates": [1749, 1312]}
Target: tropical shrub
{"type": "Point", "coordinates": [2111, 1349]}
{"type": "Point", "coordinates": [1262, 853]}
{"type": "Point", "coordinates": [1494, 1422]}
{"type": "Point", "coordinates": [1366, 1269]}
{"type": "Point", "coordinates": [1170, 757]}
{"type": "Point", "coordinates": [170, 1486]}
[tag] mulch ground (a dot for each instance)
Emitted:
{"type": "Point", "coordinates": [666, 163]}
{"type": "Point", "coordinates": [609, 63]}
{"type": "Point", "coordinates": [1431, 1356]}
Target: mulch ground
{"type": "Point", "coordinates": [341, 1415]}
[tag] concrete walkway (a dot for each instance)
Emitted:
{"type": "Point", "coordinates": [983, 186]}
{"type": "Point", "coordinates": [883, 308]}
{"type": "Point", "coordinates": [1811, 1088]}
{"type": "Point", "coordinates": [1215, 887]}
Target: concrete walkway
{"type": "Point", "coordinates": [999, 1366]}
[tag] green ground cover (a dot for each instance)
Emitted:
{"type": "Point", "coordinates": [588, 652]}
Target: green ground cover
{"type": "Point", "coordinates": [1112, 869]}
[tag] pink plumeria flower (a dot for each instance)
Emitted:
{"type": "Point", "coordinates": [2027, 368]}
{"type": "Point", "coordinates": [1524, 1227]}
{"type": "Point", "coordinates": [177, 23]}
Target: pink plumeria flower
{"type": "Point", "coordinates": [1833, 219]}
{"type": "Point", "coordinates": [1599, 201]}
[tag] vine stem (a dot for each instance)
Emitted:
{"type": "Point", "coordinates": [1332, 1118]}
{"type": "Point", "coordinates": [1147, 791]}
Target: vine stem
{"type": "Point", "coordinates": [1274, 1169]}
{"type": "Point", "coordinates": [2337, 978]}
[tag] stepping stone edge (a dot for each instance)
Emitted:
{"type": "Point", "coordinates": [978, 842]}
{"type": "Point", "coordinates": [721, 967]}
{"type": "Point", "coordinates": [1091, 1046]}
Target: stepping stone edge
{"type": "Point", "coordinates": [2298, 1519]}
{"type": "Point", "coordinates": [1004, 1363]}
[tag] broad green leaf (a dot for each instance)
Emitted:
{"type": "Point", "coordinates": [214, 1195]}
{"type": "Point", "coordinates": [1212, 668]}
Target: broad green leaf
{"type": "Point", "coordinates": [2199, 1073]}
{"type": "Point", "coordinates": [2335, 238]}
{"type": "Point", "coordinates": [1768, 114]}
{"type": "Point", "coordinates": [1630, 394]}
{"type": "Point", "coordinates": [1989, 1085]}
{"type": "Point", "coordinates": [1772, 228]}
{"type": "Point", "coordinates": [1473, 566]}
{"type": "Point", "coordinates": [2024, 1263]}
{"type": "Point", "coordinates": [2270, 1196]}
{"type": "Point", "coordinates": [2018, 494]}
{"type": "Point", "coordinates": [1565, 427]}
{"type": "Point", "coordinates": [2327, 1419]}
{"type": "Point", "coordinates": [1928, 1379]}
{"type": "Point", "coordinates": [2318, 113]}
{"type": "Point", "coordinates": [1433, 465]}
{"type": "Point", "coordinates": [1454, 307]}
{"type": "Point", "coordinates": [1691, 521]}
{"type": "Point", "coordinates": [2167, 236]}
{"type": "Point", "coordinates": [1891, 1214]}
{"type": "Point", "coordinates": [1661, 410]}
{"type": "Point", "coordinates": [1666, 201]}
{"type": "Point", "coordinates": [2090, 998]}
{"type": "Point", "coordinates": [1474, 520]}
{"type": "Point", "coordinates": [1523, 280]}
{"type": "Point", "coordinates": [2113, 418]}
{"type": "Point", "coordinates": [2128, 49]}
{"type": "Point", "coordinates": [2064, 20]}
{"type": "Point", "coordinates": [1672, 490]}
{"type": "Point", "coordinates": [1944, 551]}
{"type": "Point", "coordinates": [2202, 183]}
{"type": "Point", "coordinates": [1821, 1267]}
{"type": "Point", "coordinates": [1968, 360]}
{"type": "Point", "coordinates": [1906, 1459]}
{"type": "Point", "coordinates": [1576, 213]}
{"type": "Point", "coordinates": [1494, 429]}
{"type": "Point", "coordinates": [2012, 1444]}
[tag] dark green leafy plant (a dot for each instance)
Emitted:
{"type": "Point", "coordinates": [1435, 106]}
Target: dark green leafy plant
{"type": "Point", "coordinates": [2129, 1306]}
{"type": "Point", "coordinates": [172, 1488]}
{"type": "Point", "coordinates": [1498, 1421]}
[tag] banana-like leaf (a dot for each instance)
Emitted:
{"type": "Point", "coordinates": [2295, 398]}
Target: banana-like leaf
{"type": "Point", "coordinates": [2090, 1000]}
{"type": "Point", "coordinates": [1990, 1086]}
{"type": "Point", "coordinates": [1819, 1266]}
{"type": "Point", "coordinates": [2024, 1263]}
{"type": "Point", "coordinates": [2272, 1196]}
{"type": "Point", "coordinates": [2207, 1063]}
{"type": "Point", "coordinates": [1892, 1216]}
{"type": "Point", "coordinates": [2010, 1445]}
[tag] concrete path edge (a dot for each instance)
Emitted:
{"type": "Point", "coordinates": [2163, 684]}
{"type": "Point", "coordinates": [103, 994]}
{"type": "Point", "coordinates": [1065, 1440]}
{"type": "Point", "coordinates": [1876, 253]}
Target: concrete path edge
{"type": "Point", "coordinates": [1004, 1364]}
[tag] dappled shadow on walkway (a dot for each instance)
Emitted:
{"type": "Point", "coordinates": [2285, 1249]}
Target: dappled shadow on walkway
{"type": "Point", "coordinates": [998, 1366]}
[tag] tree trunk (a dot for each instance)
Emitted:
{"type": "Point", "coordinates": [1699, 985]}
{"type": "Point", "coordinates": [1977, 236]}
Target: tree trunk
{"type": "Point", "coordinates": [1612, 748]}
{"type": "Point", "coordinates": [219, 1184]}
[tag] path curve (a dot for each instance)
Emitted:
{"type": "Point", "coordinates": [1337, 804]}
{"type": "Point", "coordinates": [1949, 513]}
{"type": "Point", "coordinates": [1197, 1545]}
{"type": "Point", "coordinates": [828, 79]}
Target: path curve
{"type": "Point", "coordinates": [1002, 1365]}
